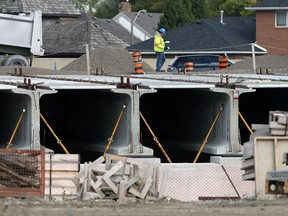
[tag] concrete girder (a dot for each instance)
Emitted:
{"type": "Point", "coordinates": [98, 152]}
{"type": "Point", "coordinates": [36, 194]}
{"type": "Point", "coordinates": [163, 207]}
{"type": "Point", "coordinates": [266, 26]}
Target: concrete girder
{"type": "Point", "coordinates": [180, 114]}
{"type": "Point", "coordinates": [135, 147]}
{"type": "Point", "coordinates": [233, 137]}
{"type": "Point", "coordinates": [85, 120]}
{"type": "Point", "coordinates": [26, 136]}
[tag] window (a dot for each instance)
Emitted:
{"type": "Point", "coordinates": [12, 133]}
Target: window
{"type": "Point", "coordinates": [214, 59]}
{"type": "Point", "coordinates": [281, 19]}
{"type": "Point", "coordinates": [181, 62]}
{"type": "Point", "coordinates": [201, 60]}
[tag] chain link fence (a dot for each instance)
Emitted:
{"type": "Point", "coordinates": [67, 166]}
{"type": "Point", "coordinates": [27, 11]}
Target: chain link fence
{"type": "Point", "coordinates": [192, 182]}
{"type": "Point", "coordinates": [22, 173]}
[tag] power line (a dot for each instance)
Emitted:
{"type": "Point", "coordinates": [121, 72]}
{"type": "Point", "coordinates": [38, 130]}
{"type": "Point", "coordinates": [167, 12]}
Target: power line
{"type": "Point", "coordinates": [208, 49]}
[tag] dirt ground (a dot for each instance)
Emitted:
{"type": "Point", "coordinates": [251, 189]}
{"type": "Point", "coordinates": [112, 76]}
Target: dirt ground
{"type": "Point", "coordinates": [33, 207]}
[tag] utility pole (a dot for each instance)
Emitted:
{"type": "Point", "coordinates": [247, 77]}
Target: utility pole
{"type": "Point", "coordinates": [132, 23]}
{"type": "Point", "coordinates": [253, 57]}
{"type": "Point", "coordinates": [88, 59]}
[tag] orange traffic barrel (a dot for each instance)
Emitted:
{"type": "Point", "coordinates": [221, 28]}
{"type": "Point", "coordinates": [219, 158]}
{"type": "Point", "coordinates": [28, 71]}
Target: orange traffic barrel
{"type": "Point", "coordinates": [137, 56]}
{"type": "Point", "coordinates": [223, 63]}
{"type": "Point", "coordinates": [138, 64]}
{"type": "Point", "coordinates": [189, 67]}
{"type": "Point", "coordinates": [138, 67]}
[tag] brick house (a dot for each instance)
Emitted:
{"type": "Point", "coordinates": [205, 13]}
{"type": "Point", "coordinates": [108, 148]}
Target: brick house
{"type": "Point", "coordinates": [272, 25]}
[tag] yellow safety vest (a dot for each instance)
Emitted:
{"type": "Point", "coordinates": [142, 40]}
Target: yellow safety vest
{"type": "Point", "coordinates": [159, 44]}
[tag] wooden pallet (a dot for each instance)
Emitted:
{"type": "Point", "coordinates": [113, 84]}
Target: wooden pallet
{"type": "Point", "coordinates": [59, 172]}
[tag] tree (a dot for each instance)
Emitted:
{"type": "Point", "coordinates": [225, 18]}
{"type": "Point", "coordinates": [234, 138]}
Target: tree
{"type": "Point", "coordinates": [107, 9]}
{"type": "Point", "coordinates": [156, 7]}
{"type": "Point", "coordinates": [181, 12]}
{"type": "Point", "coordinates": [230, 7]}
{"type": "Point", "coordinates": [199, 8]}
{"type": "Point", "coordinates": [214, 7]}
{"type": "Point", "coordinates": [86, 6]}
{"type": "Point", "coordinates": [234, 7]}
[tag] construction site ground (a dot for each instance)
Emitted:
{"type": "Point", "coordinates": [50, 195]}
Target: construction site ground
{"type": "Point", "coordinates": [165, 207]}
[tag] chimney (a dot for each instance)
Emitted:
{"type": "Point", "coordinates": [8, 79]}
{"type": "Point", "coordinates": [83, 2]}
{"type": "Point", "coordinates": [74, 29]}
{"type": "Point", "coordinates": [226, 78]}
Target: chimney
{"type": "Point", "coordinates": [124, 6]}
{"type": "Point", "coordinates": [221, 17]}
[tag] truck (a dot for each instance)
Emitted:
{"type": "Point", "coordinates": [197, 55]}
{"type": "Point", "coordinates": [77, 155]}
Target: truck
{"type": "Point", "coordinates": [20, 38]}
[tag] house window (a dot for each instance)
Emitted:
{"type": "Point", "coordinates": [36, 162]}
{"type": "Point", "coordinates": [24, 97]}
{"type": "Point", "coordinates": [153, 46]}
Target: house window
{"type": "Point", "coordinates": [282, 19]}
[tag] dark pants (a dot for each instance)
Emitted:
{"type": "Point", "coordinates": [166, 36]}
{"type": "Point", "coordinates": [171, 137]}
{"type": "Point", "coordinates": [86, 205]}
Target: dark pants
{"type": "Point", "coordinates": [161, 58]}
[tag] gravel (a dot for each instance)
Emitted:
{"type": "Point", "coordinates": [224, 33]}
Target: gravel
{"type": "Point", "coordinates": [117, 61]}
{"type": "Point", "coordinates": [264, 61]}
{"type": "Point", "coordinates": [265, 64]}
{"type": "Point", "coordinates": [35, 207]}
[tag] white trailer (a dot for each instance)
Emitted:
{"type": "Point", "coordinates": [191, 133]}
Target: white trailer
{"type": "Point", "coordinates": [20, 38]}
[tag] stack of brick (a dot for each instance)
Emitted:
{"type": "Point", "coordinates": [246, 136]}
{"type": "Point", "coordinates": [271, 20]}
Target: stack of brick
{"type": "Point", "coordinates": [278, 123]}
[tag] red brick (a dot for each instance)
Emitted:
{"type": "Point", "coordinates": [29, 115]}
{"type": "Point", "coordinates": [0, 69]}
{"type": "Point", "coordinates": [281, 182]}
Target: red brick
{"type": "Point", "coordinates": [273, 38]}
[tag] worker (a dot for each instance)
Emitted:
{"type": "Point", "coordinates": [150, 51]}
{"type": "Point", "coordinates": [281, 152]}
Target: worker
{"type": "Point", "coordinates": [159, 47]}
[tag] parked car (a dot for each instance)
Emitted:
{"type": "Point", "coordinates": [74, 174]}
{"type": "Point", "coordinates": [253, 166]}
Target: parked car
{"type": "Point", "coordinates": [200, 62]}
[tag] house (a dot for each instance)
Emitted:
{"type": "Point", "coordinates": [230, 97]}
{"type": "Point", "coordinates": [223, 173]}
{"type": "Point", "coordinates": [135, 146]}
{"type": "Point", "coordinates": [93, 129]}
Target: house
{"type": "Point", "coordinates": [144, 27]}
{"type": "Point", "coordinates": [65, 30]}
{"type": "Point", "coordinates": [144, 24]}
{"type": "Point", "coordinates": [272, 25]}
{"type": "Point", "coordinates": [65, 40]}
{"type": "Point", "coordinates": [231, 36]}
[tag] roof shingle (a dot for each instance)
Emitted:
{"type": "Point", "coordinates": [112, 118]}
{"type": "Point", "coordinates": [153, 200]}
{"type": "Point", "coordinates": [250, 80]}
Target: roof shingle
{"type": "Point", "coordinates": [48, 7]}
{"type": "Point", "coordinates": [114, 28]}
{"type": "Point", "coordinates": [71, 35]}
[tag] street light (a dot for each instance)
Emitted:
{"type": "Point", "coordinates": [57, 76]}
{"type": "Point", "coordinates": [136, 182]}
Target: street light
{"type": "Point", "coordinates": [132, 23]}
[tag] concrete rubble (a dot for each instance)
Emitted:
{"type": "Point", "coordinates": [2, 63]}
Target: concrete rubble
{"type": "Point", "coordinates": [119, 180]}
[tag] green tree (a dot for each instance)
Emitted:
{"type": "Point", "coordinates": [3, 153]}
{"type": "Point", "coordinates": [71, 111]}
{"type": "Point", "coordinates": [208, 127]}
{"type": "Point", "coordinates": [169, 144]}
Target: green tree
{"type": "Point", "coordinates": [156, 7]}
{"type": "Point", "coordinates": [107, 9]}
{"type": "Point", "coordinates": [198, 8]}
{"type": "Point", "coordinates": [235, 7]}
{"type": "Point", "coordinates": [214, 7]}
{"type": "Point", "coordinates": [87, 6]}
{"type": "Point", "coordinates": [230, 7]}
{"type": "Point", "coordinates": [181, 12]}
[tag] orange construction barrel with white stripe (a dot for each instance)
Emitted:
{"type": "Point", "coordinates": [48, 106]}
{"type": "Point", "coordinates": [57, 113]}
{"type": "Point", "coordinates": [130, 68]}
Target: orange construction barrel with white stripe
{"type": "Point", "coordinates": [137, 56]}
{"type": "Point", "coordinates": [223, 63]}
{"type": "Point", "coordinates": [138, 67]}
{"type": "Point", "coordinates": [189, 67]}
{"type": "Point", "coordinates": [138, 63]}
